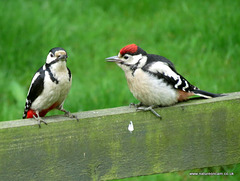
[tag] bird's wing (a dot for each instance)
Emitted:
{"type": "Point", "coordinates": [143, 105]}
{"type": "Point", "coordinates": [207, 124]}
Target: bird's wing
{"type": "Point", "coordinates": [165, 70]}
{"type": "Point", "coordinates": [35, 89]}
{"type": "Point", "coordinates": [69, 74]}
{"type": "Point", "coordinates": [157, 58]}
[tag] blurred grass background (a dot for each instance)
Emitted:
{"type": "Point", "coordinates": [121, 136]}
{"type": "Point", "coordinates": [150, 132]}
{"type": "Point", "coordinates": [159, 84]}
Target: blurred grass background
{"type": "Point", "coordinates": [201, 37]}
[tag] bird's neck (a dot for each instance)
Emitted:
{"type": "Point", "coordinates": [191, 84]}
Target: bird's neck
{"type": "Point", "coordinates": [59, 66]}
{"type": "Point", "coordinates": [131, 68]}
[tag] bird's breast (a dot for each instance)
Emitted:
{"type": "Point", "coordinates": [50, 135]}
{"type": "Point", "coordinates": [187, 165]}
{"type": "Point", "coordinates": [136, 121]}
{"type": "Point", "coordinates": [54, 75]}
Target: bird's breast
{"type": "Point", "coordinates": [53, 92]}
{"type": "Point", "coordinates": [150, 90]}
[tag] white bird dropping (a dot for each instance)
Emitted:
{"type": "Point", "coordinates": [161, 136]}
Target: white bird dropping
{"type": "Point", "coordinates": [130, 127]}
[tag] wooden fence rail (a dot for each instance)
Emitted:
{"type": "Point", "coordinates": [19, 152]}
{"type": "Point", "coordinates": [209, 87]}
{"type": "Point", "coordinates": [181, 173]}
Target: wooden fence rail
{"type": "Point", "coordinates": [193, 134]}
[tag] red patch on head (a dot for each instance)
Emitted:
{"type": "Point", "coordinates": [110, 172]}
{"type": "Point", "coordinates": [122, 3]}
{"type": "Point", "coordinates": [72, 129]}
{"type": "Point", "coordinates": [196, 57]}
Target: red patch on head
{"type": "Point", "coordinates": [130, 49]}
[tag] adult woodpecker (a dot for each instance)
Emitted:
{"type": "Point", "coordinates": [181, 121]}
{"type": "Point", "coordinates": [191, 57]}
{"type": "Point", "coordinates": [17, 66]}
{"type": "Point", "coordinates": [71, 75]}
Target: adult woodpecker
{"type": "Point", "coordinates": [49, 87]}
{"type": "Point", "coordinates": [153, 79]}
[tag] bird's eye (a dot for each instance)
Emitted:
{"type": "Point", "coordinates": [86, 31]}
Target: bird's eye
{"type": "Point", "coordinates": [51, 55]}
{"type": "Point", "coordinates": [125, 57]}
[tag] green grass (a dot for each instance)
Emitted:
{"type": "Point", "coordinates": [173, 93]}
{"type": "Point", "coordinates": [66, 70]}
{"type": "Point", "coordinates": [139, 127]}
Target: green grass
{"type": "Point", "coordinates": [201, 37]}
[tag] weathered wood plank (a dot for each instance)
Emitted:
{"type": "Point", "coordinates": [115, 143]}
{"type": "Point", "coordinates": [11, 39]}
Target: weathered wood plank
{"type": "Point", "coordinates": [194, 134]}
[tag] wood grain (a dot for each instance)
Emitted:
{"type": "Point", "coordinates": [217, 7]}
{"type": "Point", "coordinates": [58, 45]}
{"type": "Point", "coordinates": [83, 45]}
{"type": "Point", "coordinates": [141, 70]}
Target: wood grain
{"type": "Point", "coordinates": [193, 134]}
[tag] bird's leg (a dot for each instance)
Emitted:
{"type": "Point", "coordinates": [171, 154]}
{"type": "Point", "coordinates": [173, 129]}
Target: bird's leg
{"type": "Point", "coordinates": [39, 119]}
{"type": "Point", "coordinates": [150, 108]}
{"type": "Point", "coordinates": [67, 113]}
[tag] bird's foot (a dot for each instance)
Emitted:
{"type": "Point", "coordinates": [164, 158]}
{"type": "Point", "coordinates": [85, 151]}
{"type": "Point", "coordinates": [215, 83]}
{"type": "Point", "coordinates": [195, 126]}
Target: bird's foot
{"type": "Point", "coordinates": [135, 105]}
{"type": "Point", "coordinates": [39, 120]}
{"type": "Point", "coordinates": [150, 108]}
{"type": "Point", "coordinates": [68, 114]}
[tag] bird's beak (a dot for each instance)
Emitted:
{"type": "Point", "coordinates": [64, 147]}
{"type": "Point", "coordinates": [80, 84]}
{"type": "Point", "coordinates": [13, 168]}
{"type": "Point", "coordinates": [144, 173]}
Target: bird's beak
{"type": "Point", "coordinates": [62, 57]}
{"type": "Point", "coordinates": [114, 59]}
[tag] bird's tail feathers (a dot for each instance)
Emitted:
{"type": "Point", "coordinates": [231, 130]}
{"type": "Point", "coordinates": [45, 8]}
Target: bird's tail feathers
{"type": "Point", "coordinates": [206, 94]}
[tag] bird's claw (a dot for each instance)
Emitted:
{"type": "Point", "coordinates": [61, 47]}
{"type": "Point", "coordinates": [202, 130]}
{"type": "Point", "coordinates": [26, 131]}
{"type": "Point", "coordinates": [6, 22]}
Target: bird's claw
{"type": "Point", "coordinates": [39, 123]}
{"type": "Point", "coordinates": [150, 108]}
{"type": "Point", "coordinates": [70, 115]}
{"type": "Point", "coordinates": [39, 120]}
{"type": "Point", "coordinates": [135, 105]}
{"type": "Point", "coordinates": [132, 104]}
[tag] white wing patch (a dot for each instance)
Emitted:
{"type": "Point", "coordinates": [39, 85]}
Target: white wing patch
{"type": "Point", "coordinates": [163, 68]}
{"type": "Point", "coordinates": [179, 82]}
{"type": "Point", "coordinates": [186, 86]}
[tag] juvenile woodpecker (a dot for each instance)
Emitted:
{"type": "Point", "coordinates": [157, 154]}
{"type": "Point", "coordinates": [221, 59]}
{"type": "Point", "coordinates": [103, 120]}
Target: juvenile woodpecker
{"type": "Point", "coordinates": [153, 79]}
{"type": "Point", "coordinates": [49, 87]}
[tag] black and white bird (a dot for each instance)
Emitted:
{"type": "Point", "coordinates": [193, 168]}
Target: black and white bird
{"type": "Point", "coordinates": [153, 79]}
{"type": "Point", "coordinates": [49, 87]}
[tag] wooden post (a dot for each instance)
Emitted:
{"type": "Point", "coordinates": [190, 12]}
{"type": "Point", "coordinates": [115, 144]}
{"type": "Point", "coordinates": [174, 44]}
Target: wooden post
{"type": "Point", "coordinates": [193, 134]}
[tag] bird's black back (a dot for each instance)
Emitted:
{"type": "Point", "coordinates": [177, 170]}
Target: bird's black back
{"type": "Point", "coordinates": [155, 58]}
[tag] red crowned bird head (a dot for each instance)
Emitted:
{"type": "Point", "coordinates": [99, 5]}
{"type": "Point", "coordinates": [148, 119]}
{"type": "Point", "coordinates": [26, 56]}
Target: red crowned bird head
{"type": "Point", "coordinates": [132, 49]}
{"type": "Point", "coordinates": [130, 56]}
